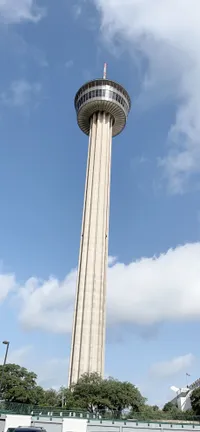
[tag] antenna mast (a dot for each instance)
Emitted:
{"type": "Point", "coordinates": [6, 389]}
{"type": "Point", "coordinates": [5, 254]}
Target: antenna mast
{"type": "Point", "coordinates": [105, 71]}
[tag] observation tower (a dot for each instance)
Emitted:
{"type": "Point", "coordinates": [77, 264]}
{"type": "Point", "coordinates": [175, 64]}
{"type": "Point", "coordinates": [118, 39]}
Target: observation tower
{"type": "Point", "coordinates": [102, 108]}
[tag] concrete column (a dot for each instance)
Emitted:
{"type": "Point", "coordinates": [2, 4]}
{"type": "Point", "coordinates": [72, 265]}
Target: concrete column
{"type": "Point", "coordinates": [88, 335]}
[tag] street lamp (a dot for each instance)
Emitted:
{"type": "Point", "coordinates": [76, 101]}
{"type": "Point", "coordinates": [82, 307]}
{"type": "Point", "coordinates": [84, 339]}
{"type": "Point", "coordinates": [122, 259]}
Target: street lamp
{"type": "Point", "coordinates": [6, 353]}
{"type": "Point", "coordinates": [4, 363]}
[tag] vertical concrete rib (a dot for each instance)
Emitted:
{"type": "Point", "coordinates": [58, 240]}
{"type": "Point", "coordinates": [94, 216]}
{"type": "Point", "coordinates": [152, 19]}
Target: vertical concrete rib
{"type": "Point", "coordinates": [88, 338]}
{"type": "Point", "coordinates": [102, 323]}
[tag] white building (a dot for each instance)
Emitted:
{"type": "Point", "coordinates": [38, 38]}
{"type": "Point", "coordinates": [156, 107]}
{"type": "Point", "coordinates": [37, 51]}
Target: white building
{"type": "Point", "coordinates": [182, 398]}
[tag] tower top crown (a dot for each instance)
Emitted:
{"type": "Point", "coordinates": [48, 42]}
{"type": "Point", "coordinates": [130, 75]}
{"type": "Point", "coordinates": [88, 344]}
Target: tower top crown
{"type": "Point", "coordinates": [102, 95]}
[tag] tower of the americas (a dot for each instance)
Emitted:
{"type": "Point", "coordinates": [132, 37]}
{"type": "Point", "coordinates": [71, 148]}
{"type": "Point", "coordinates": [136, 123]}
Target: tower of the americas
{"type": "Point", "coordinates": [102, 107]}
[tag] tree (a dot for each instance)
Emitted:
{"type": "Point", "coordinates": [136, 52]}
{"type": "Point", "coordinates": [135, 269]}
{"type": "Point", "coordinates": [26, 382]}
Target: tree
{"type": "Point", "coordinates": [51, 398]}
{"type": "Point", "coordinates": [122, 395]}
{"type": "Point", "coordinates": [69, 401]}
{"type": "Point", "coordinates": [168, 406]}
{"type": "Point", "coordinates": [148, 412]}
{"type": "Point", "coordinates": [94, 394]}
{"type": "Point", "coordinates": [87, 393]}
{"type": "Point", "coordinates": [38, 396]}
{"type": "Point", "coordinates": [172, 412]}
{"type": "Point", "coordinates": [106, 397]}
{"type": "Point", "coordinates": [195, 401]}
{"type": "Point", "coordinates": [45, 398]}
{"type": "Point", "coordinates": [18, 385]}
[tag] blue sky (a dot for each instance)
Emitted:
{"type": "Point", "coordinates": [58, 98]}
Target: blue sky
{"type": "Point", "coordinates": [48, 50]}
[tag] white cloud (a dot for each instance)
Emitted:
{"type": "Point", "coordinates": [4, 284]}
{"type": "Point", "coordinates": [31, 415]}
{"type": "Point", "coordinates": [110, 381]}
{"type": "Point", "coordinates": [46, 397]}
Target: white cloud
{"type": "Point", "coordinates": [15, 11]}
{"type": "Point", "coordinates": [21, 92]}
{"type": "Point", "coordinates": [145, 292]}
{"type": "Point", "coordinates": [167, 35]}
{"type": "Point", "coordinates": [48, 304]}
{"type": "Point", "coordinates": [7, 285]}
{"type": "Point", "coordinates": [77, 10]}
{"type": "Point", "coordinates": [172, 367]}
{"type": "Point", "coordinates": [111, 260]}
{"type": "Point", "coordinates": [69, 64]}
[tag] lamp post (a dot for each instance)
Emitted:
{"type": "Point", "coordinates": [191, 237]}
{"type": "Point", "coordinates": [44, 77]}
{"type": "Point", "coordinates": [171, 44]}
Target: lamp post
{"type": "Point", "coordinates": [4, 363]}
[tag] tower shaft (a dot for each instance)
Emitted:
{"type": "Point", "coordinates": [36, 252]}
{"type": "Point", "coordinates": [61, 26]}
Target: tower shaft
{"type": "Point", "coordinates": [88, 336]}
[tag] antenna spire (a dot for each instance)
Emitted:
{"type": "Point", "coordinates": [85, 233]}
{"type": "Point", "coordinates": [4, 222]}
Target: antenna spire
{"type": "Point", "coordinates": [105, 71]}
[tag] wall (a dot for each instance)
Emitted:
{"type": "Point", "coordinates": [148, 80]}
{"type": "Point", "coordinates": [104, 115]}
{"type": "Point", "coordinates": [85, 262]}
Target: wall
{"type": "Point", "coordinates": [2, 423]}
{"type": "Point", "coordinates": [60, 424]}
{"type": "Point", "coordinates": [129, 426]}
{"type": "Point", "coordinates": [16, 420]}
{"type": "Point", "coordinates": [74, 425]}
{"type": "Point", "coordinates": [55, 425]}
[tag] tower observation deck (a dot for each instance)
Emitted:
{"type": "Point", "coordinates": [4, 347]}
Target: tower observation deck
{"type": "Point", "coordinates": [102, 108]}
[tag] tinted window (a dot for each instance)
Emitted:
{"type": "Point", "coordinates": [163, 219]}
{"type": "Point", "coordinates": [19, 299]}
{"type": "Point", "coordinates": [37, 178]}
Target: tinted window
{"type": "Point", "coordinates": [101, 93]}
{"type": "Point", "coordinates": [29, 429]}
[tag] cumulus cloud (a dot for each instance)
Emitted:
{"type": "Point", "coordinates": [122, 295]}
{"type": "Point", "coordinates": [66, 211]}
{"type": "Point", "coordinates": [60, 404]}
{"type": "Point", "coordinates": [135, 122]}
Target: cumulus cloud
{"type": "Point", "coordinates": [7, 285]}
{"type": "Point", "coordinates": [69, 64]}
{"type": "Point", "coordinates": [48, 305]}
{"type": "Point", "coordinates": [143, 293]}
{"type": "Point", "coordinates": [166, 34]}
{"type": "Point", "coordinates": [166, 369]}
{"type": "Point", "coordinates": [77, 9]}
{"type": "Point", "coordinates": [16, 11]}
{"type": "Point", "coordinates": [111, 260]}
{"type": "Point", "coordinates": [20, 93]}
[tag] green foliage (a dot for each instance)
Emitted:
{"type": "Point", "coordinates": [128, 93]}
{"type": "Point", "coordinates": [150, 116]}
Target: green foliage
{"type": "Point", "coordinates": [109, 397]}
{"type": "Point", "coordinates": [195, 401]}
{"type": "Point", "coordinates": [94, 394]}
{"type": "Point", "coordinates": [51, 398]}
{"type": "Point", "coordinates": [147, 412]}
{"type": "Point", "coordinates": [87, 392]}
{"type": "Point", "coordinates": [122, 395]}
{"type": "Point", "coordinates": [168, 406]}
{"type": "Point", "coordinates": [18, 385]}
{"type": "Point", "coordinates": [155, 408]}
{"type": "Point", "coordinates": [68, 401]}
{"type": "Point", "coordinates": [38, 396]}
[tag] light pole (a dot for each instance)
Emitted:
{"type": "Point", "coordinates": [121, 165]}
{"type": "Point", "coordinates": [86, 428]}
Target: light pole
{"type": "Point", "coordinates": [4, 363]}
{"type": "Point", "coordinates": [6, 353]}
